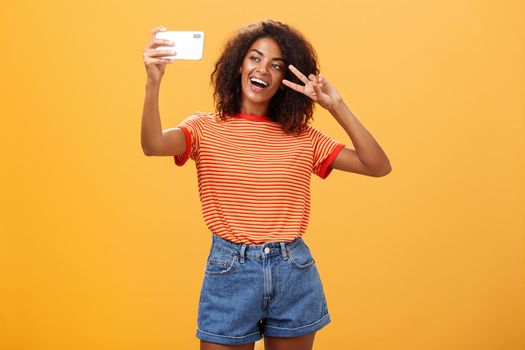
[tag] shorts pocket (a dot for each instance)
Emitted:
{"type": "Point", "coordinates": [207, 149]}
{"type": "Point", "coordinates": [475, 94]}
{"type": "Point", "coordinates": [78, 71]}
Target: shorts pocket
{"type": "Point", "coordinates": [300, 256]}
{"type": "Point", "coordinates": [220, 263]}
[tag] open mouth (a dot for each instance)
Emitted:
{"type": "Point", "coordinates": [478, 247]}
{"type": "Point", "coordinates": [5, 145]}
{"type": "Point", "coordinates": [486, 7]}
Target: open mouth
{"type": "Point", "coordinates": [258, 84]}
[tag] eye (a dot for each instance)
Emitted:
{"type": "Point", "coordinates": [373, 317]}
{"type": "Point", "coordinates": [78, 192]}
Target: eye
{"type": "Point", "coordinates": [253, 58]}
{"type": "Point", "coordinates": [277, 66]}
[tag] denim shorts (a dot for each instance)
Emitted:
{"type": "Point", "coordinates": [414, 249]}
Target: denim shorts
{"type": "Point", "coordinates": [251, 290]}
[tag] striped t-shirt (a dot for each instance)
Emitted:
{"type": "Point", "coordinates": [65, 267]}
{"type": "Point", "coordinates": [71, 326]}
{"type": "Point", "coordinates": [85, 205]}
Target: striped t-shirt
{"type": "Point", "coordinates": [253, 178]}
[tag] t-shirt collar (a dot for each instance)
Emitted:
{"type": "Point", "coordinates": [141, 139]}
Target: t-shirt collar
{"type": "Point", "coordinates": [255, 118]}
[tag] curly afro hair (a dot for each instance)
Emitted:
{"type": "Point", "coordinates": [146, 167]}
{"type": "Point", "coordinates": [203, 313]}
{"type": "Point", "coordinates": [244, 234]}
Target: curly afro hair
{"type": "Point", "coordinates": [291, 109]}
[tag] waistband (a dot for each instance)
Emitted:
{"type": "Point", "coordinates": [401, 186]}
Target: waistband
{"type": "Point", "coordinates": [262, 250]}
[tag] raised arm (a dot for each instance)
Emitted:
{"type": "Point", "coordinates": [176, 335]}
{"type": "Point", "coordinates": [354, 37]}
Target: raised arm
{"type": "Point", "coordinates": [154, 140]}
{"type": "Point", "coordinates": [368, 158]}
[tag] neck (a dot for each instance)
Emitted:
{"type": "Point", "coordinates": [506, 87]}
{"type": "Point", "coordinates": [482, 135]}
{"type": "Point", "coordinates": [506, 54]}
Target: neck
{"type": "Point", "coordinates": [254, 108]}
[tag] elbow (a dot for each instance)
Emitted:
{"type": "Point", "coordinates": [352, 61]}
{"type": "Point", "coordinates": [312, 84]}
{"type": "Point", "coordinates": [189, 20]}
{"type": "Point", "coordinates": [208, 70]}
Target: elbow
{"type": "Point", "coordinates": [383, 172]}
{"type": "Point", "coordinates": [147, 151]}
{"type": "Point", "coordinates": [386, 172]}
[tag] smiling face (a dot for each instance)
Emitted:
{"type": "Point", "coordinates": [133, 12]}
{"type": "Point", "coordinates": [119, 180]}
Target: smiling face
{"type": "Point", "coordinates": [262, 71]}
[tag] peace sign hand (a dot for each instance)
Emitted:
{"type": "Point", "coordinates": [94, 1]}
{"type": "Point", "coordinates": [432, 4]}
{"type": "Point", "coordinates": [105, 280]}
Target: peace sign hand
{"type": "Point", "coordinates": [316, 87]}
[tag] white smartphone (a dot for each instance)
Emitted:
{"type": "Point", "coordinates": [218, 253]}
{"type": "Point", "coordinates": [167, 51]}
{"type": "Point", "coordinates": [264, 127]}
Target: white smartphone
{"type": "Point", "coordinates": [188, 44]}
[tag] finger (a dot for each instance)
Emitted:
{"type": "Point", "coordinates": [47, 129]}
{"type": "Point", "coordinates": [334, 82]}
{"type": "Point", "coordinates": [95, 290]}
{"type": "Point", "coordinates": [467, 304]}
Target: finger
{"type": "Point", "coordinates": [159, 53]}
{"type": "Point", "coordinates": [155, 31]}
{"type": "Point", "coordinates": [158, 29]}
{"type": "Point", "coordinates": [154, 61]}
{"type": "Point", "coordinates": [163, 42]}
{"type": "Point", "coordinates": [317, 89]}
{"type": "Point", "coordinates": [299, 75]}
{"type": "Point", "coordinates": [313, 78]}
{"type": "Point", "coordinates": [322, 79]}
{"type": "Point", "coordinates": [293, 86]}
{"type": "Point", "coordinates": [154, 43]}
{"type": "Point", "coordinates": [161, 60]}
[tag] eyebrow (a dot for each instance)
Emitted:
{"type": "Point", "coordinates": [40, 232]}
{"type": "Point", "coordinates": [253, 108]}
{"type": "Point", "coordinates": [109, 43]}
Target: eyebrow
{"type": "Point", "coordinates": [260, 53]}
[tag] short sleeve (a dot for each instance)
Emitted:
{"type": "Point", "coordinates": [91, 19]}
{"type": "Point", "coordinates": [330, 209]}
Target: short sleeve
{"type": "Point", "coordinates": [325, 150]}
{"type": "Point", "coordinates": [193, 128]}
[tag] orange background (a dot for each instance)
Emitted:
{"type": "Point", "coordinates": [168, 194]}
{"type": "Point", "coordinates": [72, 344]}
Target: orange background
{"type": "Point", "coordinates": [103, 248]}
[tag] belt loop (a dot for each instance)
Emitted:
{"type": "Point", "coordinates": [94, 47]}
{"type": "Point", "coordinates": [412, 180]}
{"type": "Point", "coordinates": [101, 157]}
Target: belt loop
{"type": "Point", "coordinates": [243, 248]}
{"type": "Point", "coordinates": [284, 252]}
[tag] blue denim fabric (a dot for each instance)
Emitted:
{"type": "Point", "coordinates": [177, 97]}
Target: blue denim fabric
{"type": "Point", "coordinates": [251, 290]}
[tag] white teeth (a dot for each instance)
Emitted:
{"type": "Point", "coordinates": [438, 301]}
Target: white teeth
{"type": "Point", "coordinates": [259, 81]}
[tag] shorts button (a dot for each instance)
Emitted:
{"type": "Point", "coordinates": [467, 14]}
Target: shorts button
{"type": "Point", "coordinates": [266, 250]}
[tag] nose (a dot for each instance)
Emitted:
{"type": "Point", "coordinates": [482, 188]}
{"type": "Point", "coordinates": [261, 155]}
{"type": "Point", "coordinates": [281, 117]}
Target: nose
{"type": "Point", "coordinates": [261, 69]}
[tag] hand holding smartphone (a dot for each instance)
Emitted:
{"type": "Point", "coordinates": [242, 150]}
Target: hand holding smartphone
{"type": "Point", "coordinates": [188, 44]}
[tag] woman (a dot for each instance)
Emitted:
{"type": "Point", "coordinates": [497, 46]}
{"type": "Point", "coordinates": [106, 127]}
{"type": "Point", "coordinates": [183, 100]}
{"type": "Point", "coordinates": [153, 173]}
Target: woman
{"type": "Point", "coordinates": [254, 156]}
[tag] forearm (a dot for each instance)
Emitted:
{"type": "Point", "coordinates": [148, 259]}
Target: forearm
{"type": "Point", "coordinates": [368, 150]}
{"type": "Point", "coordinates": [151, 130]}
